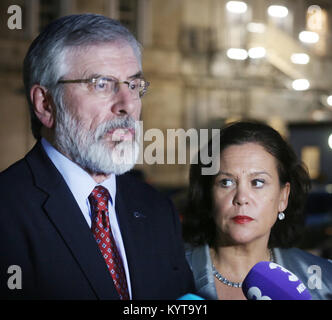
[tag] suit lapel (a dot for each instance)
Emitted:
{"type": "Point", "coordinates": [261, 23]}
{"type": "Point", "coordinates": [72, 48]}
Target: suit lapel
{"type": "Point", "coordinates": [135, 230]}
{"type": "Point", "coordinates": [65, 214]}
{"type": "Point", "coordinates": [76, 233]}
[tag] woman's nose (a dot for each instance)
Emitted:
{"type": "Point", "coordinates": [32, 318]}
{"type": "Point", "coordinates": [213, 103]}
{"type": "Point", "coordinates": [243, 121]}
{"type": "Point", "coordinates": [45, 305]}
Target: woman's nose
{"type": "Point", "coordinates": [241, 196]}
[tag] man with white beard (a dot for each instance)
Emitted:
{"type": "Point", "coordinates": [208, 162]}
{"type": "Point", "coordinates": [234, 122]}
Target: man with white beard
{"type": "Point", "coordinates": [73, 225]}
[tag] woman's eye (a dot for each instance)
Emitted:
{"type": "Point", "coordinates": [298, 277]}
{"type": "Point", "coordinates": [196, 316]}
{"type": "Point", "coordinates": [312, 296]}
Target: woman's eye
{"type": "Point", "coordinates": [258, 183]}
{"type": "Point", "coordinates": [225, 183]}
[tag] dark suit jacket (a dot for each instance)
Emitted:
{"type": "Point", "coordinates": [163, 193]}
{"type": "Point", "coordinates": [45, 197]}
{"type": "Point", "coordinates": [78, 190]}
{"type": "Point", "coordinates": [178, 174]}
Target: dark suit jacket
{"type": "Point", "coordinates": [43, 231]}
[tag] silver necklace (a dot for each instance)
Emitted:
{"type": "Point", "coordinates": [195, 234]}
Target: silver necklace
{"type": "Point", "coordinates": [225, 280]}
{"type": "Point", "coordinates": [231, 283]}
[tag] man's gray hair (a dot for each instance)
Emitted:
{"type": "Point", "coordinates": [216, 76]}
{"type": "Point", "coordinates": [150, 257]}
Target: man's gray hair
{"type": "Point", "coordinates": [44, 63]}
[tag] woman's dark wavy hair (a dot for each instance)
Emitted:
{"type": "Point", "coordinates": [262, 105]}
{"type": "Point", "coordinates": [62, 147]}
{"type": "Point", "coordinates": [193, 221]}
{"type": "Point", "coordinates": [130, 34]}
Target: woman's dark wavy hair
{"type": "Point", "coordinates": [198, 219]}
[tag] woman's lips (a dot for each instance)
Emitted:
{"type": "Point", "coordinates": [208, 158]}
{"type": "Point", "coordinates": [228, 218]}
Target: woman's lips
{"type": "Point", "coordinates": [242, 219]}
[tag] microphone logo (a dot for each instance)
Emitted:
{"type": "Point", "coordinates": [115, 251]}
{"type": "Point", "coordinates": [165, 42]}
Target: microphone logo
{"type": "Point", "coordinates": [271, 281]}
{"type": "Point", "coordinates": [254, 293]}
{"type": "Point", "coordinates": [292, 277]}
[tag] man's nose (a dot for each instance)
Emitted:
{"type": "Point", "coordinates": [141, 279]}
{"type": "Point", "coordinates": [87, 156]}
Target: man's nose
{"type": "Point", "coordinates": [124, 102]}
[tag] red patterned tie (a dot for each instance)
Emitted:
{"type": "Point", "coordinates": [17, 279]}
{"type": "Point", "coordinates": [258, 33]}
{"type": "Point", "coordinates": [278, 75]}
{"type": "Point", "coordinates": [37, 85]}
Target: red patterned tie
{"type": "Point", "coordinates": [103, 234]}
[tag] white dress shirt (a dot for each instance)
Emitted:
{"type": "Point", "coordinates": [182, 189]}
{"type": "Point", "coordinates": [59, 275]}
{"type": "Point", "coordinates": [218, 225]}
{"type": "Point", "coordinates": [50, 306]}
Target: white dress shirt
{"type": "Point", "coordinates": [81, 185]}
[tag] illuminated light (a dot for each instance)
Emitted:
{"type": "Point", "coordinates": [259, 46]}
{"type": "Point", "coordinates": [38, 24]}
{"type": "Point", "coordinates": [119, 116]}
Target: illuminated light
{"type": "Point", "coordinates": [330, 141]}
{"type": "Point", "coordinates": [315, 18]}
{"type": "Point", "coordinates": [300, 58]}
{"type": "Point", "coordinates": [277, 11]}
{"type": "Point", "coordinates": [237, 54]}
{"type": "Point", "coordinates": [256, 27]}
{"type": "Point", "coordinates": [257, 53]}
{"type": "Point", "coordinates": [236, 6]}
{"type": "Point", "coordinates": [329, 100]}
{"type": "Point", "coordinates": [309, 37]}
{"type": "Point", "coordinates": [301, 84]}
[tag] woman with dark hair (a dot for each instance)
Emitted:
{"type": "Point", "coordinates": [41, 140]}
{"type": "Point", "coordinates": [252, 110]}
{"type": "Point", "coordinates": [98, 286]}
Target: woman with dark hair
{"type": "Point", "coordinates": [250, 211]}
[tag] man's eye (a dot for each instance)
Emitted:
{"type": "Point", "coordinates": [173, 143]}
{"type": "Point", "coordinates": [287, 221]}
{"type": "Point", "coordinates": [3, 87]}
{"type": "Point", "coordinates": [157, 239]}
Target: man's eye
{"type": "Point", "coordinates": [258, 183]}
{"type": "Point", "coordinates": [102, 85]}
{"type": "Point", "coordinates": [134, 84]}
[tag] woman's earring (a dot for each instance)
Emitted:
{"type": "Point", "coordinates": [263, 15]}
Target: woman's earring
{"type": "Point", "coordinates": [281, 216]}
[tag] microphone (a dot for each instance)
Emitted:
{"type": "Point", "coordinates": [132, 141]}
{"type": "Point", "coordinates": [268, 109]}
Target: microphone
{"type": "Point", "coordinates": [190, 296]}
{"type": "Point", "coordinates": [270, 281]}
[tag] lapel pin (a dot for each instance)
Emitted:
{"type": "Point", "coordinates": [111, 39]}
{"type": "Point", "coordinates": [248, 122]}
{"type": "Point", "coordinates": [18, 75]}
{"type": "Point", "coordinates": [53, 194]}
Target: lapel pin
{"type": "Point", "coordinates": [138, 215]}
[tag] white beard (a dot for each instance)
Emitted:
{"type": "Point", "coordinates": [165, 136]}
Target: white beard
{"type": "Point", "coordinates": [91, 151]}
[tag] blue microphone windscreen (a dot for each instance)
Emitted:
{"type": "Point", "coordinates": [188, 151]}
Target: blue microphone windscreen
{"type": "Point", "coordinates": [190, 296]}
{"type": "Point", "coordinates": [270, 281]}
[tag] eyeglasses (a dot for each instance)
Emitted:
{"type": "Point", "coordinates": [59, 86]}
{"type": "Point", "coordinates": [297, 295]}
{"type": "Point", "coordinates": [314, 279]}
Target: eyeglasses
{"type": "Point", "coordinates": [108, 86]}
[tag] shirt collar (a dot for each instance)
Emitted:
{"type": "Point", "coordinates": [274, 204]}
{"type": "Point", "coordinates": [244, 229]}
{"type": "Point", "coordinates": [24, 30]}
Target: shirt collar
{"type": "Point", "coordinates": [78, 180]}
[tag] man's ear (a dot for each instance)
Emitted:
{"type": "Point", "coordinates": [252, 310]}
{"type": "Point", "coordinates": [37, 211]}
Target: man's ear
{"type": "Point", "coordinates": [42, 105]}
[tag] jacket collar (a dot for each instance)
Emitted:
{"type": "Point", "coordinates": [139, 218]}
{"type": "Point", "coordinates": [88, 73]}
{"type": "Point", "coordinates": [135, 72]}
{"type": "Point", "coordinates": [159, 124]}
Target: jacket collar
{"type": "Point", "coordinates": [62, 209]}
{"type": "Point", "coordinates": [200, 262]}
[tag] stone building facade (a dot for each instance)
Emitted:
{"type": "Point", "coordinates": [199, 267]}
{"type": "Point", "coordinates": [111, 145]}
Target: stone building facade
{"type": "Point", "coordinates": [194, 83]}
